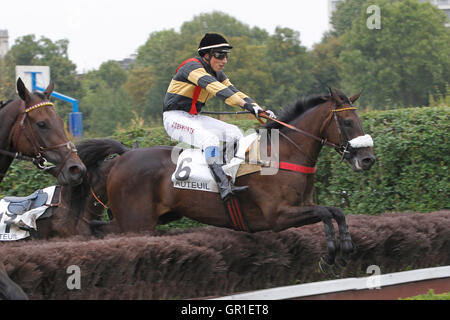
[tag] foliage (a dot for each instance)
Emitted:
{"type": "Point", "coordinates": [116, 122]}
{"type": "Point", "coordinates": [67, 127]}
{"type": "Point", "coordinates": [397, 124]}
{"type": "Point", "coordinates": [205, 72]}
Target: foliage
{"type": "Point", "coordinates": [28, 50]}
{"type": "Point", "coordinates": [411, 170]}
{"type": "Point", "coordinates": [326, 66]}
{"type": "Point", "coordinates": [404, 62]}
{"type": "Point", "coordinates": [105, 103]}
{"type": "Point", "coordinates": [23, 178]}
{"type": "Point", "coordinates": [345, 13]}
{"type": "Point", "coordinates": [430, 295]}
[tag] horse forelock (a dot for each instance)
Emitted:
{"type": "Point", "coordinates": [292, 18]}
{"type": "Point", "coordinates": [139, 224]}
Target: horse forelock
{"type": "Point", "coordinates": [297, 108]}
{"type": "Point", "coordinates": [40, 95]}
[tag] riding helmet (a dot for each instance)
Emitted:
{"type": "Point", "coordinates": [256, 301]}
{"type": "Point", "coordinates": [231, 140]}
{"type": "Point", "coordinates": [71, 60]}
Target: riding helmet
{"type": "Point", "coordinates": [213, 41]}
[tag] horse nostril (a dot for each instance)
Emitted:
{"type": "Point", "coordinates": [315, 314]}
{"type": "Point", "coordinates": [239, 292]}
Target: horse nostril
{"type": "Point", "coordinates": [368, 161]}
{"type": "Point", "coordinates": [75, 170]}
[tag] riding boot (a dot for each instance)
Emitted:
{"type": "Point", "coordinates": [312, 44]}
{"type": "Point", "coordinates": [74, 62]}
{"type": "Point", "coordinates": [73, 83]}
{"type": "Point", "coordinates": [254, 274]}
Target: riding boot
{"type": "Point", "coordinates": [226, 188]}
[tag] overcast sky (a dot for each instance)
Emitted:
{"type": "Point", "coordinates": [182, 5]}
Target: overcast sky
{"type": "Point", "coordinates": [102, 30]}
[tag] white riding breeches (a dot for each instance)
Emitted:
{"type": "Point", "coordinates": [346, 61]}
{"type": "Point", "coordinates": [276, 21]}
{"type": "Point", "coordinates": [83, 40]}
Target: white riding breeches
{"type": "Point", "coordinates": [200, 131]}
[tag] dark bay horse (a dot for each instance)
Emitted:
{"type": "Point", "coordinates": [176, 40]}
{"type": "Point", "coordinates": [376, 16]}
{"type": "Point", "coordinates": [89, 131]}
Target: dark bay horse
{"type": "Point", "coordinates": [141, 193]}
{"type": "Point", "coordinates": [30, 129]}
{"type": "Point", "coordinates": [73, 208]}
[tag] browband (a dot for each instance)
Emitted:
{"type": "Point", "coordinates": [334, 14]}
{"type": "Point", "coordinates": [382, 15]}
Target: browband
{"type": "Point", "coordinates": [41, 104]}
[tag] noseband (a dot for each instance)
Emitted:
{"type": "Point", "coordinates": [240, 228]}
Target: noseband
{"type": "Point", "coordinates": [38, 158]}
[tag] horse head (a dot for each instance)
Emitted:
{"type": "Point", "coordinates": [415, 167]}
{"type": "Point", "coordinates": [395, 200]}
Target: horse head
{"type": "Point", "coordinates": [344, 129]}
{"type": "Point", "coordinates": [39, 133]}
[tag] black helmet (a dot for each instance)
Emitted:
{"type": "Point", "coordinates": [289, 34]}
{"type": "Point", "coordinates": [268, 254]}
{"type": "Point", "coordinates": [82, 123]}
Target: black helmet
{"type": "Point", "coordinates": [213, 41]}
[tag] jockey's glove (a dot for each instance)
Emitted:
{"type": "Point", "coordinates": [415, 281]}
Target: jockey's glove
{"type": "Point", "coordinates": [256, 110]}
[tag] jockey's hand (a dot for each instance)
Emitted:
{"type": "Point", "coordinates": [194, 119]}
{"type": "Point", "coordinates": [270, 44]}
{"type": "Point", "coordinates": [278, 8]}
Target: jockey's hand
{"type": "Point", "coordinates": [253, 108]}
{"type": "Point", "coordinates": [271, 114]}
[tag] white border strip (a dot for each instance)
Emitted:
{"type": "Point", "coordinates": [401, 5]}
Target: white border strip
{"type": "Point", "coordinates": [324, 287]}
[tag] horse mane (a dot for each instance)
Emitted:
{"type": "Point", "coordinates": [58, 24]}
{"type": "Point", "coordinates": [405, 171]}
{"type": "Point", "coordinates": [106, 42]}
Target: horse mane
{"type": "Point", "coordinates": [93, 153]}
{"type": "Point", "coordinates": [302, 105]}
{"type": "Point", "coordinates": [4, 103]}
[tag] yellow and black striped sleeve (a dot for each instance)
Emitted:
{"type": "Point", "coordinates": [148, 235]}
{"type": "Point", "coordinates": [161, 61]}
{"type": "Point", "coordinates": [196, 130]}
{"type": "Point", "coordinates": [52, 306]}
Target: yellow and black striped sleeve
{"type": "Point", "coordinates": [195, 73]}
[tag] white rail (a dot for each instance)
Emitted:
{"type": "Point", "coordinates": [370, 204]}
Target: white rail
{"type": "Point", "coordinates": [332, 286]}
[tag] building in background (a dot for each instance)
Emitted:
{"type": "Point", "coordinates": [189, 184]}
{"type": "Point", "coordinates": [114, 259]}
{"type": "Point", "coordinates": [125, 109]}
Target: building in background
{"type": "Point", "coordinates": [4, 43]}
{"type": "Point", "coordinates": [444, 5]}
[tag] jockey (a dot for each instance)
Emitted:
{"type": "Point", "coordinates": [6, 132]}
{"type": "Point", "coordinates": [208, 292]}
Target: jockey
{"type": "Point", "coordinates": [195, 82]}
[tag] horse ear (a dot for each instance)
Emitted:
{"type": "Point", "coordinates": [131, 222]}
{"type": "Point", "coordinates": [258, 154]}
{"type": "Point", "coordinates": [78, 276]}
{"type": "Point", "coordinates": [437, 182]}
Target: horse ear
{"type": "Point", "coordinates": [49, 90]}
{"type": "Point", "coordinates": [24, 94]}
{"type": "Point", "coordinates": [334, 95]}
{"type": "Point", "coordinates": [356, 96]}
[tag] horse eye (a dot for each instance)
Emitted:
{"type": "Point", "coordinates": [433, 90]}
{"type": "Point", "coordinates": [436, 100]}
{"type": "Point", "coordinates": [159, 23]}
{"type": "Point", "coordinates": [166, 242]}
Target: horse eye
{"type": "Point", "coordinates": [348, 123]}
{"type": "Point", "coordinates": [41, 124]}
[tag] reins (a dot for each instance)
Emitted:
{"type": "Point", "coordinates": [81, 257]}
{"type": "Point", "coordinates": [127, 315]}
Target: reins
{"type": "Point", "coordinates": [340, 148]}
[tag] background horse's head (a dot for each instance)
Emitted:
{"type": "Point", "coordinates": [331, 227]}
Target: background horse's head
{"type": "Point", "coordinates": [344, 128]}
{"type": "Point", "coordinates": [39, 132]}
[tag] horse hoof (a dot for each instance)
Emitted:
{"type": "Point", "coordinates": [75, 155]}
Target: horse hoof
{"type": "Point", "coordinates": [347, 247]}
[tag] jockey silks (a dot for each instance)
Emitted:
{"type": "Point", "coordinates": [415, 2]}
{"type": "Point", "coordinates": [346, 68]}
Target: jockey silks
{"type": "Point", "coordinates": [194, 73]}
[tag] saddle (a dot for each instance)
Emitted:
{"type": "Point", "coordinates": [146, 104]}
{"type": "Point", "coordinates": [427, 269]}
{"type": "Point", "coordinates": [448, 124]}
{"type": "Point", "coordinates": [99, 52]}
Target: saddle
{"type": "Point", "coordinates": [192, 171]}
{"type": "Point", "coordinates": [20, 205]}
{"type": "Point", "coordinates": [18, 215]}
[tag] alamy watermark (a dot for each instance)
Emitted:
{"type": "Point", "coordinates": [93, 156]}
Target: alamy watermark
{"type": "Point", "coordinates": [374, 20]}
{"type": "Point", "coordinates": [74, 280]}
{"type": "Point", "coordinates": [267, 160]}
{"type": "Point", "coordinates": [374, 281]}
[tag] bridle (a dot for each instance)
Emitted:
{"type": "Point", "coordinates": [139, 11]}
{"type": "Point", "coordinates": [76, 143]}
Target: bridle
{"type": "Point", "coordinates": [344, 148]}
{"type": "Point", "coordinates": [39, 148]}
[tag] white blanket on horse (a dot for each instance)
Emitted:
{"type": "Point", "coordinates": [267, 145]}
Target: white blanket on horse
{"type": "Point", "coordinates": [192, 171]}
{"type": "Point", "coordinates": [15, 226]}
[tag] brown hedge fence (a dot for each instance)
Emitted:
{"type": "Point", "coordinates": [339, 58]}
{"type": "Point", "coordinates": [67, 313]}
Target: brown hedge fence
{"type": "Point", "coordinates": [210, 261]}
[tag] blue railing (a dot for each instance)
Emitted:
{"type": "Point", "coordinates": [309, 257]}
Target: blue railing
{"type": "Point", "coordinates": [75, 118]}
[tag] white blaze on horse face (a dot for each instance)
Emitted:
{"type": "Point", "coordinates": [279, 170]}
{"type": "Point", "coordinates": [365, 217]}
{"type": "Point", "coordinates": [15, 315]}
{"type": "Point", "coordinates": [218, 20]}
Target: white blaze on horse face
{"type": "Point", "coordinates": [361, 142]}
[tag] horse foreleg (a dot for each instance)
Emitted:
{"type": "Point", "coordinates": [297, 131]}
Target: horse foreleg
{"type": "Point", "coordinates": [300, 216]}
{"type": "Point", "coordinates": [346, 243]}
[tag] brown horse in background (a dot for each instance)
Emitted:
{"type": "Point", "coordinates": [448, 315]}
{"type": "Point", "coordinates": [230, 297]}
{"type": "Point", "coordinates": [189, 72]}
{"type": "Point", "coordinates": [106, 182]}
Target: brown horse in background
{"type": "Point", "coordinates": [141, 193]}
{"type": "Point", "coordinates": [32, 130]}
{"type": "Point", "coordinates": [75, 210]}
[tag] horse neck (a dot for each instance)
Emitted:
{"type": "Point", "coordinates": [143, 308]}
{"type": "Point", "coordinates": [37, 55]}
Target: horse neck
{"type": "Point", "coordinates": [8, 117]}
{"type": "Point", "coordinates": [70, 213]}
{"type": "Point", "coordinates": [311, 121]}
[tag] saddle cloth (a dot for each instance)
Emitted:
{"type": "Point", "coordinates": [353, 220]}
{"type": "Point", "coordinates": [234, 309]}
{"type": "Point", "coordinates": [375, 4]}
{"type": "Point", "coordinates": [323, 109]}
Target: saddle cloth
{"type": "Point", "coordinates": [18, 215]}
{"type": "Point", "coordinates": [192, 171]}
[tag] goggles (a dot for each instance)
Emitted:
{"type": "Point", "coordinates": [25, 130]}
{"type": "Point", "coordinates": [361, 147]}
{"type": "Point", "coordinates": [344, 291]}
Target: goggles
{"type": "Point", "coordinates": [220, 55]}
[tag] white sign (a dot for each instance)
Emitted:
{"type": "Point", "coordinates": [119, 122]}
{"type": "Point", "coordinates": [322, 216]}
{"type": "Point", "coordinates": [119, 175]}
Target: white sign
{"type": "Point", "coordinates": [42, 75]}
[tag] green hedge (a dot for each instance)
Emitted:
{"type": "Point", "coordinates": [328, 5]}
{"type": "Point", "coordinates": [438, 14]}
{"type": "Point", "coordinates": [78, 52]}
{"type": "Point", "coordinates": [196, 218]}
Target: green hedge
{"type": "Point", "coordinates": [411, 171]}
{"type": "Point", "coordinates": [410, 174]}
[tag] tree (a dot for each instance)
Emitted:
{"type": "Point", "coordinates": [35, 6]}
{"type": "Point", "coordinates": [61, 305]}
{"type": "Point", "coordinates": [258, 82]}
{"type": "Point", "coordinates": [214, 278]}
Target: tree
{"type": "Point", "coordinates": [326, 67]}
{"type": "Point", "coordinates": [27, 50]}
{"type": "Point", "coordinates": [345, 13]}
{"type": "Point", "coordinates": [290, 66]}
{"type": "Point", "coordinates": [404, 62]}
{"type": "Point", "coordinates": [106, 105]}
{"type": "Point", "coordinates": [160, 52]}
